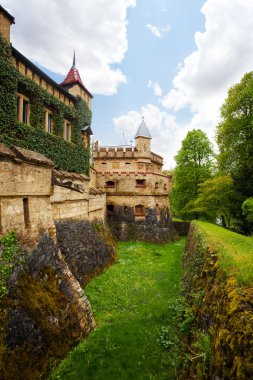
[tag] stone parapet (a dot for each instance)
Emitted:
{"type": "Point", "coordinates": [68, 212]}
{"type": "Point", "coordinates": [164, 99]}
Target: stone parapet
{"type": "Point", "coordinates": [33, 195]}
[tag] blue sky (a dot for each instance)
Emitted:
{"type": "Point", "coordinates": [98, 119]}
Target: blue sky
{"type": "Point", "coordinates": [169, 61]}
{"type": "Point", "coordinates": [148, 58]}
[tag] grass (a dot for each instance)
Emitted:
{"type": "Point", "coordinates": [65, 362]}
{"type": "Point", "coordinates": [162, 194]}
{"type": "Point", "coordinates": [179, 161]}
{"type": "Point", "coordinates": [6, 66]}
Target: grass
{"type": "Point", "coordinates": [236, 251]}
{"type": "Point", "coordinates": [136, 305]}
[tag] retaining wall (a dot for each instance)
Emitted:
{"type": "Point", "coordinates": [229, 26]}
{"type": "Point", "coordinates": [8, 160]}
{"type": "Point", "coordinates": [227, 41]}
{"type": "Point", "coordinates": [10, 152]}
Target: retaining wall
{"type": "Point", "coordinates": [222, 308]}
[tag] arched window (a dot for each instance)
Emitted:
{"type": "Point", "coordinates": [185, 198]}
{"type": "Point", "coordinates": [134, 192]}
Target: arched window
{"type": "Point", "coordinates": [110, 184]}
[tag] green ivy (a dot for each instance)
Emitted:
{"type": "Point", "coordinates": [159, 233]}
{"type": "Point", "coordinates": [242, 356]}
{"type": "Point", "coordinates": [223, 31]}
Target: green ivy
{"type": "Point", "coordinates": [8, 85]}
{"type": "Point", "coordinates": [71, 156]}
{"type": "Point", "coordinates": [66, 156]}
{"type": "Point", "coordinates": [11, 257]}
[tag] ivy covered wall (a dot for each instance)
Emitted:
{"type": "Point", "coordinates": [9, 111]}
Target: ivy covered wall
{"type": "Point", "coordinates": [70, 156]}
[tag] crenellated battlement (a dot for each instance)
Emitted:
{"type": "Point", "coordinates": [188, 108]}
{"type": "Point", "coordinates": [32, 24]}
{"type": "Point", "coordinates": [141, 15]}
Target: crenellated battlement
{"type": "Point", "coordinates": [119, 152]}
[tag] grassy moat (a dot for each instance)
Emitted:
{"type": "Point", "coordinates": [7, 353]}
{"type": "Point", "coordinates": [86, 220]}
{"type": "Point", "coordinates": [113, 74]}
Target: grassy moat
{"type": "Point", "coordinates": [136, 304]}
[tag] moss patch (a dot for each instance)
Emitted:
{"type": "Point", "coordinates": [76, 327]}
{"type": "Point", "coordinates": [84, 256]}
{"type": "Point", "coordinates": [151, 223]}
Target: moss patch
{"type": "Point", "coordinates": [220, 300]}
{"type": "Point", "coordinates": [42, 316]}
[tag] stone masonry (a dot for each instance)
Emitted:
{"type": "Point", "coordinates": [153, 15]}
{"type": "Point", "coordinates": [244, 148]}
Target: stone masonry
{"type": "Point", "coordinates": [132, 176]}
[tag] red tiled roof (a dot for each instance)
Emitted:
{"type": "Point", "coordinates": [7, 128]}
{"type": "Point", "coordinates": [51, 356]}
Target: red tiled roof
{"type": "Point", "coordinates": [72, 77]}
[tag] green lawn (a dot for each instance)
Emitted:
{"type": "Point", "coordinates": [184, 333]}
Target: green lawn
{"type": "Point", "coordinates": [136, 305]}
{"type": "Point", "coordinates": [235, 251]}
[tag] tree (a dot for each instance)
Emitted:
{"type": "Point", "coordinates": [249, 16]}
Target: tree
{"type": "Point", "coordinates": [247, 210]}
{"type": "Point", "coordinates": [194, 163]}
{"type": "Point", "coordinates": [217, 198]}
{"type": "Point", "coordinates": [235, 135]}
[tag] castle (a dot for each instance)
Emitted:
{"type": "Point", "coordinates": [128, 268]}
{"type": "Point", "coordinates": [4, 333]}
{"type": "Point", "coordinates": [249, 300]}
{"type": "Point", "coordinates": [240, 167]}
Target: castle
{"type": "Point", "coordinates": [59, 117]}
{"type": "Point", "coordinates": [132, 176]}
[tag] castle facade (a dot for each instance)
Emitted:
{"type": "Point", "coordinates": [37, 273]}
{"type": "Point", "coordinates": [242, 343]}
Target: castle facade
{"type": "Point", "coordinates": [132, 176]}
{"type": "Point", "coordinates": [54, 120]}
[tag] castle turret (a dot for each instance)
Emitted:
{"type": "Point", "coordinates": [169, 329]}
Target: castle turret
{"type": "Point", "coordinates": [6, 19]}
{"type": "Point", "coordinates": [73, 84]}
{"type": "Point", "coordinates": [143, 140]}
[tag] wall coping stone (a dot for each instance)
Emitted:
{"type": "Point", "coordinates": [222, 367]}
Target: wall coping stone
{"type": "Point", "coordinates": [69, 175]}
{"type": "Point", "coordinates": [6, 152]}
{"type": "Point", "coordinates": [31, 157]}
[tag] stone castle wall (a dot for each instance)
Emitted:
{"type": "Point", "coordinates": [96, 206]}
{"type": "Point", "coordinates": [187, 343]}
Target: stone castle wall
{"type": "Point", "coordinates": [126, 159]}
{"type": "Point", "coordinates": [132, 176]}
{"type": "Point", "coordinates": [148, 201]}
{"type": "Point", "coordinates": [155, 184]}
{"type": "Point", "coordinates": [155, 228]}
{"type": "Point", "coordinates": [25, 190]}
{"type": "Point", "coordinates": [70, 198]}
{"type": "Point", "coordinates": [45, 311]}
{"type": "Point", "coordinates": [33, 196]}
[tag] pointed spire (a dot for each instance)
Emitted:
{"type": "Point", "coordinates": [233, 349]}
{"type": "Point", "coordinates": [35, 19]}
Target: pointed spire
{"type": "Point", "coordinates": [73, 74]}
{"type": "Point", "coordinates": [123, 141]}
{"type": "Point", "coordinates": [143, 130]}
{"type": "Point", "coordinates": [74, 60]}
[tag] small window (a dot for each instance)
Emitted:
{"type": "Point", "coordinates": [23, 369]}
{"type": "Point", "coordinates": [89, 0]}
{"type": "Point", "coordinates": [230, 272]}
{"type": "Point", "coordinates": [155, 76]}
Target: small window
{"type": "Point", "coordinates": [48, 121]}
{"type": "Point", "coordinates": [139, 210]}
{"type": "Point", "coordinates": [18, 107]}
{"type": "Point", "coordinates": [67, 131]}
{"type": "Point", "coordinates": [127, 163]}
{"type": "Point", "coordinates": [140, 183]}
{"type": "Point", "coordinates": [110, 184]}
{"type": "Point", "coordinates": [165, 186]}
{"type": "Point", "coordinates": [103, 163]}
{"type": "Point", "coordinates": [156, 185]}
{"type": "Point", "coordinates": [26, 212]}
{"type": "Point", "coordinates": [23, 109]}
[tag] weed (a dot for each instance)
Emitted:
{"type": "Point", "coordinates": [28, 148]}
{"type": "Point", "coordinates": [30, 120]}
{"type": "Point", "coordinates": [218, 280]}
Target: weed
{"type": "Point", "coordinates": [11, 257]}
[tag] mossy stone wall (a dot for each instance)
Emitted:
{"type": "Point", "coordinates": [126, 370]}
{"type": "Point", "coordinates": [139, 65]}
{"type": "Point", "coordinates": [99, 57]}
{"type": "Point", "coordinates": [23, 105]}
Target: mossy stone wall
{"type": "Point", "coordinates": [88, 248]}
{"type": "Point", "coordinates": [125, 226]}
{"type": "Point", "coordinates": [222, 308]}
{"type": "Point", "coordinates": [44, 311]}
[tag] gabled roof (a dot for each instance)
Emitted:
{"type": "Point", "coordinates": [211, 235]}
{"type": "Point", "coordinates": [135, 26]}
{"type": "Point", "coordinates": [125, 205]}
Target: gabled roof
{"type": "Point", "coordinates": [143, 130]}
{"type": "Point", "coordinates": [87, 129]}
{"type": "Point", "coordinates": [7, 14]}
{"type": "Point", "coordinates": [20, 57]}
{"type": "Point", "coordinates": [73, 77]}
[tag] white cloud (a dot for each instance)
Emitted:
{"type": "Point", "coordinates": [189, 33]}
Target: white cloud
{"type": "Point", "coordinates": [158, 31]}
{"type": "Point", "coordinates": [166, 133]}
{"type": "Point", "coordinates": [224, 53]}
{"type": "Point", "coordinates": [48, 32]}
{"type": "Point", "coordinates": [155, 87]}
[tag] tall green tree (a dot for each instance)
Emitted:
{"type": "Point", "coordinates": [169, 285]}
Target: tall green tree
{"type": "Point", "coordinates": [217, 199]}
{"type": "Point", "coordinates": [247, 210]}
{"type": "Point", "coordinates": [235, 135]}
{"type": "Point", "coordinates": [194, 163]}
